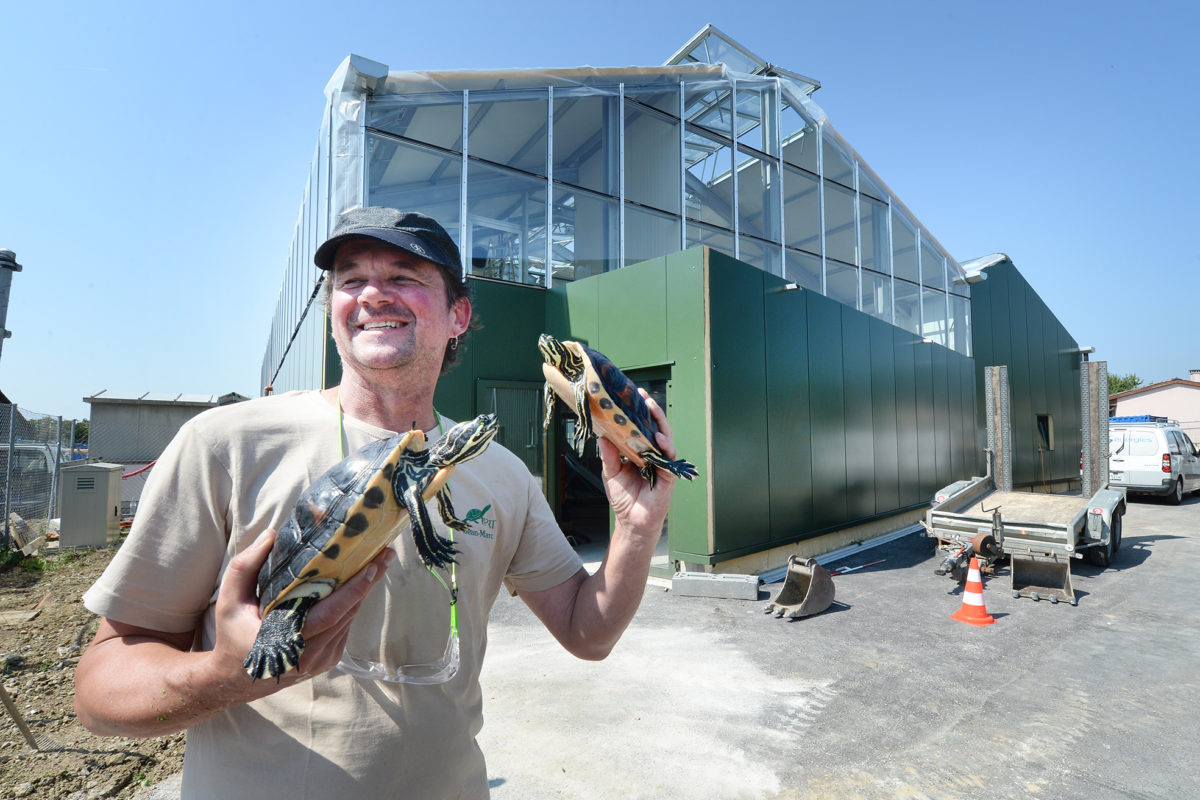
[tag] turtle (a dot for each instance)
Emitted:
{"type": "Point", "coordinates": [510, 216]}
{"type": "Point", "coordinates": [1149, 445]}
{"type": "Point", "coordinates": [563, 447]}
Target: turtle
{"type": "Point", "coordinates": [607, 404]}
{"type": "Point", "coordinates": [345, 518]}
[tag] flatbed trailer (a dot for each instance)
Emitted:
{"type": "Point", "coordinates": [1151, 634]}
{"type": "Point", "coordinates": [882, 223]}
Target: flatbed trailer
{"type": "Point", "coordinates": [1039, 534]}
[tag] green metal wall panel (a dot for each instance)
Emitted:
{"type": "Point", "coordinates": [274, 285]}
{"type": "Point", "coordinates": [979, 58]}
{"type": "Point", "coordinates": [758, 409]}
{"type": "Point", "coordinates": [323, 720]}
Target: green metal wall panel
{"type": "Point", "coordinates": [687, 393]}
{"type": "Point", "coordinates": [907, 433]}
{"type": "Point", "coordinates": [941, 417]}
{"type": "Point", "coordinates": [737, 329]}
{"type": "Point", "coordinates": [1020, 331]}
{"type": "Point", "coordinates": [926, 422]}
{"type": "Point", "coordinates": [883, 416]}
{"type": "Point", "coordinates": [789, 435]}
{"type": "Point", "coordinates": [1020, 385]}
{"type": "Point", "coordinates": [826, 404]}
{"type": "Point", "coordinates": [582, 310]}
{"type": "Point", "coordinates": [955, 416]}
{"type": "Point", "coordinates": [859, 420]}
{"type": "Point", "coordinates": [631, 319]}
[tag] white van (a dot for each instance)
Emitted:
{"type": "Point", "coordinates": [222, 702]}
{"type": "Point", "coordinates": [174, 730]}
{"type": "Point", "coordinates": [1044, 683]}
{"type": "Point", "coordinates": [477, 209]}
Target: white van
{"type": "Point", "coordinates": [1150, 455]}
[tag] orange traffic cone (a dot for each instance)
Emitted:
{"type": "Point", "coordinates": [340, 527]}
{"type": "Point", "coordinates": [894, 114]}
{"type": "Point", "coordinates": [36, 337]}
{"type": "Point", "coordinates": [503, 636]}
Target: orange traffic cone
{"type": "Point", "coordinates": [973, 611]}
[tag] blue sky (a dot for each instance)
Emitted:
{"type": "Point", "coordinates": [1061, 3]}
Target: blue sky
{"type": "Point", "coordinates": [153, 155]}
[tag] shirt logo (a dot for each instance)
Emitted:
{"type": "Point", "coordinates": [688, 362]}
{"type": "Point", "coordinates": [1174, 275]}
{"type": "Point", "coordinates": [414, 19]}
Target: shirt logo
{"type": "Point", "coordinates": [480, 524]}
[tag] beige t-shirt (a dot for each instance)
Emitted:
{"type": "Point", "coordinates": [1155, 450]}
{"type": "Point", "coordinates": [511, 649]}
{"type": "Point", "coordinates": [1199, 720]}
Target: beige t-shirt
{"type": "Point", "coordinates": [234, 471]}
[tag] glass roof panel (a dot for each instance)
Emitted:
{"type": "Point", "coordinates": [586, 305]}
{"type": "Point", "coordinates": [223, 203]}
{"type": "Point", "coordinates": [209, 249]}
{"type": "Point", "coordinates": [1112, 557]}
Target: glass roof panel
{"type": "Point", "coordinates": [710, 46]}
{"type": "Point", "coordinates": [709, 104]}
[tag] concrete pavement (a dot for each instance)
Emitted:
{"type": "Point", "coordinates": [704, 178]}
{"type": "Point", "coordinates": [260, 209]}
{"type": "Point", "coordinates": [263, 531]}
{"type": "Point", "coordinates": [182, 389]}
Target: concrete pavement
{"type": "Point", "coordinates": [882, 696]}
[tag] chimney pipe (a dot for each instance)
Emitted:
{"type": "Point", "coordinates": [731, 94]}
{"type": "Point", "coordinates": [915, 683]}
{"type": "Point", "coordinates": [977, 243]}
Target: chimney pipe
{"type": "Point", "coordinates": [8, 265]}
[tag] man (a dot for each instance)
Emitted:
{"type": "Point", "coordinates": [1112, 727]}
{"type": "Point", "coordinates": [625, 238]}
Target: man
{"type": "Point", "coordinates": [178, 607]}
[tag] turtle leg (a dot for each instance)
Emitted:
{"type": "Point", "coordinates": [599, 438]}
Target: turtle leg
{"type": "Point", "coordinates": [650, 473]}
{"type": "Point", "coordinates": [683, 469]}
{"type": "Point", "coordinates": [446, 510]}
{"type": "Point", "coordinates": [583, 425]}
{"type": "Point", "coordinates": [435, 551]}
{"type": "Point", "coordinates": [549, 400]}
{"type": "Point", "coordinates": [277, 647]}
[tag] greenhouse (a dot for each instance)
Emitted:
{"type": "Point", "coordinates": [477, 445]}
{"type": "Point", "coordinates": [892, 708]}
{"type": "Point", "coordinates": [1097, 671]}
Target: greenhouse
{"type": "Point", "coordinates": [628, 207]}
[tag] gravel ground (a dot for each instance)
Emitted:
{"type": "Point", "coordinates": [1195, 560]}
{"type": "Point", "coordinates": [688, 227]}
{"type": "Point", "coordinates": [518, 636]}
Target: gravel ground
{"type": "Point", "coordinates": [39, 657]}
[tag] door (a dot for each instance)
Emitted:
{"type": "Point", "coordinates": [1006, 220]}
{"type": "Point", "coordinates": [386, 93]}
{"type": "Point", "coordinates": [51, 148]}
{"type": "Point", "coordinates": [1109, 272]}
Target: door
{"type": "Point", "coordinates": [517, 406]}
{"type": "Point", "coordinates": [1190, 467]}
{"type": "Point", "coordinates": [1137, 455]}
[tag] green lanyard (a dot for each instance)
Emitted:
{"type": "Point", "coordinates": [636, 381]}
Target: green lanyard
{"type": "Point", "coordinates": [341, 428]}
{"type": "Point", "coordinates": [453, 587]}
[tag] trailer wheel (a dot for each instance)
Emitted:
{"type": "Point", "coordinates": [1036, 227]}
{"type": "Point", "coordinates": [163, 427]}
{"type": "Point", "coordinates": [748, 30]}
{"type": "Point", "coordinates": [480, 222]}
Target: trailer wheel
{"type": "Point", "coordinates": [1103, 556]}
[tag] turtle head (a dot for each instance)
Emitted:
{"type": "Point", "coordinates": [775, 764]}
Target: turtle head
{"type": "Point", "coordinates": [465, 440]}
{"type": "Point", "coordinates": [560, 356]}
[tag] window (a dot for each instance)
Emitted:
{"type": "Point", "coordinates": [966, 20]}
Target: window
{"type": "Point", "coordinates": [1045, 427]}
{"type": "Point", "coordinates": [651, 157]}
{"type": "Point", "coordinates": [802, 210]}
{"type": "Point", "coordinates": [904, 248]}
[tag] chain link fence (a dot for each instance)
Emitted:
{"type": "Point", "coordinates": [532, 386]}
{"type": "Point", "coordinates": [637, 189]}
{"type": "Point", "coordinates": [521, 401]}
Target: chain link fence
{"type": "Point", "coordinates": [33, 448]}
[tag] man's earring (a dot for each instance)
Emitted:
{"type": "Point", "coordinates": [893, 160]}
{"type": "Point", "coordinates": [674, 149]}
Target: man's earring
{"type": "Point", "coordinates": [454, 343]}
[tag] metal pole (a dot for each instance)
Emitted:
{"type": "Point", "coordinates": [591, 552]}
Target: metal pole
{"type": "Point", "coordinates": [8, 265]}
{"type": "Point", "coordinates": [54, 474]}
{"type": "Point", "coordinates": [12, 417]}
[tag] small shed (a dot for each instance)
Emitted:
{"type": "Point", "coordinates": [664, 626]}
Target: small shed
{"type": "Point", "coordinates": [133, 429]}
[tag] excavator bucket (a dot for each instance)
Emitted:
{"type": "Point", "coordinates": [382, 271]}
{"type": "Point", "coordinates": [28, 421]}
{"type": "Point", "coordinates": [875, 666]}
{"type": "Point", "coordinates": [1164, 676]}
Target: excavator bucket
{"type": "Point", "coordinates": [807, 590]}
{"type": "Point", "coordinates": [1042, 577]}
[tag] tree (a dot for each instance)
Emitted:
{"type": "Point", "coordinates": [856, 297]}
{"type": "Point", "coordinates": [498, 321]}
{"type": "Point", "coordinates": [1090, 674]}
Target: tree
{"type": "Point", "coordinates": [1122, 383]}
{"type": "Point", "coordinates": [81, 432]}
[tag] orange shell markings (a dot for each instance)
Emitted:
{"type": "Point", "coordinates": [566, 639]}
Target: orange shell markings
{"type": "Point", "coordinates": [608, 421]}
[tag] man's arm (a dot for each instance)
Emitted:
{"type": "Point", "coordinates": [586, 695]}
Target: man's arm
{"type": "Point", "coordinates": [588, 613]}
{"type": "Point", "coordinates": [139, 682]}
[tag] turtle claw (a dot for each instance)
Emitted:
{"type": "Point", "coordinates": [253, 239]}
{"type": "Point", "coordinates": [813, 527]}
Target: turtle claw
{"type": "Point", "coordinates": [277, 647]}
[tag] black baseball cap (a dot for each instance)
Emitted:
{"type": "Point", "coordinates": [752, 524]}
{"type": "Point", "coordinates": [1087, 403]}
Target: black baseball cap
{"type": "Point", "coordinates": [409, 230]}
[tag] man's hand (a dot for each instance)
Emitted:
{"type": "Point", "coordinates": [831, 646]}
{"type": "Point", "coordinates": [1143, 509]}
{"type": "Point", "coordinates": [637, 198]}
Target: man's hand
{"type": "Point", "coordinates": [325, 630]}
{"type": "Point", "coordinates": [639, 510]}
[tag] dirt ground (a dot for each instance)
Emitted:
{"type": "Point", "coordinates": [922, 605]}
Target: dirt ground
{"type": "Point", "coordinates": [37, 669]}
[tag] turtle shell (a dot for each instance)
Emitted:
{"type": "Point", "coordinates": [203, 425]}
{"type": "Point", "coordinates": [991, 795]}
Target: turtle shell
{"type": "Point", "coordinates": [342, 521]}
{"type": "Point", "coordinates": [618, 409]}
